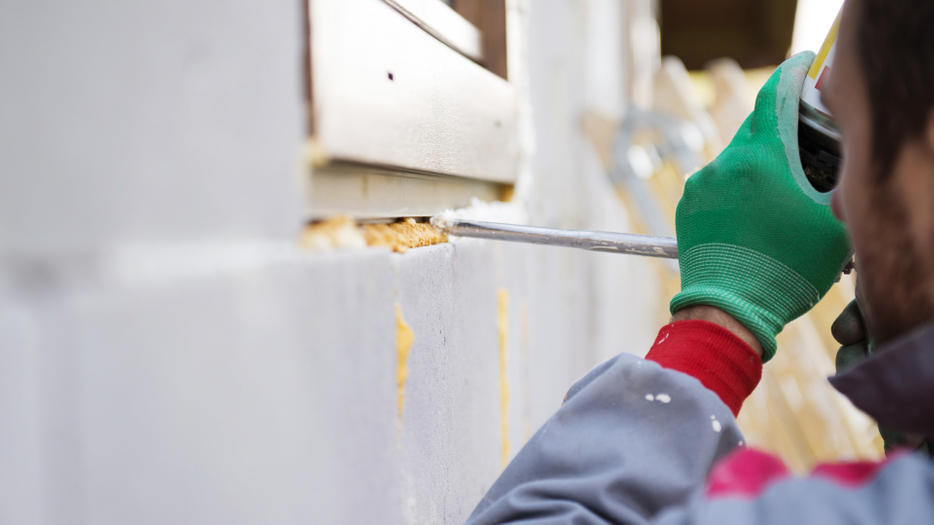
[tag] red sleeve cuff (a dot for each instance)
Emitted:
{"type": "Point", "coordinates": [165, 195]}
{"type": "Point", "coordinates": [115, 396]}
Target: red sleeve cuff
{"type": "Point", "coordinates": [719, 359]}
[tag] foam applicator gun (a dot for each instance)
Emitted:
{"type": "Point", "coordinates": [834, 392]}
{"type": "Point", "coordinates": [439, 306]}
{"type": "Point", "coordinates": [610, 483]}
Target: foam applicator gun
{"type": "Point", "coordinates": [819, 146]}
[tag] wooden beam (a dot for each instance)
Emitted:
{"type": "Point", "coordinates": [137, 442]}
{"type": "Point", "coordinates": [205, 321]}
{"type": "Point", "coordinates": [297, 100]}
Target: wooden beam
{"type": "Point", "coordinates": [756, 33]}
{"type": "Point", "coordinates": [489, 16]}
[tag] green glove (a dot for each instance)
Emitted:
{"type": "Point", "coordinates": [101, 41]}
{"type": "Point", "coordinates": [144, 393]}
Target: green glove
{"type": "Point", "coordinates": [755, 239]}
{"type": "Point", "coordinates": [849, 329]}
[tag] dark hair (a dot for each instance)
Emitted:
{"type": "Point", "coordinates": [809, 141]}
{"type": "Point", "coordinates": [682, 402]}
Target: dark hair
{"type": "Point", "coordinates": [895, 42]}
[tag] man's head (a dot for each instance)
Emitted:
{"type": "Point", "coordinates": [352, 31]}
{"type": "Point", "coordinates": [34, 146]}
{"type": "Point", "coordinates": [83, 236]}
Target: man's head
{"type": "Point", "coordinates": [881, 92]}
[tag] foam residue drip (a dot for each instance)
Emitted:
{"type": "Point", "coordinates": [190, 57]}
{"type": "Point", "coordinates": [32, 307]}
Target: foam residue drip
{"type": "Point", "coordinates": [404, 339]}
{"type": "Point", "coordinates": [502, 327]}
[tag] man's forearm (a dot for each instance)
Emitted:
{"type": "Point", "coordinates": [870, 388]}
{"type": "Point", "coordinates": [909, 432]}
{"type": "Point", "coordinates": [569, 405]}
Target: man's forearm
{"type": "Point", "coordinates": [717, 316]}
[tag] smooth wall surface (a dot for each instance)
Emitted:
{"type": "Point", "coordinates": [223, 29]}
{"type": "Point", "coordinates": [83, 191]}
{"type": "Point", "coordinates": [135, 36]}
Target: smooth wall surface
{"type": "Point", "coordinates": [168, 354]}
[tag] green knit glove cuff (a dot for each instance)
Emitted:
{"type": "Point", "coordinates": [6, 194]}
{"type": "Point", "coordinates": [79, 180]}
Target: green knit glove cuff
{"type": "Point", "coordinates": [754, 279]}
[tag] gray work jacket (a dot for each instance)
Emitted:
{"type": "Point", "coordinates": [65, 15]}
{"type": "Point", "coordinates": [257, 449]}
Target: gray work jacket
{"type": "Point", "coordinates": [637, 443]}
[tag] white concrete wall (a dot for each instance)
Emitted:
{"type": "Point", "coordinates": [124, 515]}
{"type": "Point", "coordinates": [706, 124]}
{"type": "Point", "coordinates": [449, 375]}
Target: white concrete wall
{"type": "Point", "coordinates": [169, 355]}
{"type": "Point", "coordinates": [148, 121]}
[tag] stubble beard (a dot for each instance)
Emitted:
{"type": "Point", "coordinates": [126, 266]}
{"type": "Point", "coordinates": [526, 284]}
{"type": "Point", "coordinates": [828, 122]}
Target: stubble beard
{"type": "Point", "coordinates": [892, 276]}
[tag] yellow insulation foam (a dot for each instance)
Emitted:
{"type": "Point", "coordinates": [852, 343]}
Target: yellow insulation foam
{"type": "Point", "coordinates": [402, 235]}
{"type": "Point", "coordinates": [342, 231]}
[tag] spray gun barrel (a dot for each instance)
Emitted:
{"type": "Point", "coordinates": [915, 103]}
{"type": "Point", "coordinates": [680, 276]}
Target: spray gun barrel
{"type": "Point", "coordinates": [627, 243]}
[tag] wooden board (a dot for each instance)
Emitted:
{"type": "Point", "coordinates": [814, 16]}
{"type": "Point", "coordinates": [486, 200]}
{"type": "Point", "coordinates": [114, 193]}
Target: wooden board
{"type": "Point", "coordinates": [369, 193]}
{"type": "Point", "coordinates": [386, 93]}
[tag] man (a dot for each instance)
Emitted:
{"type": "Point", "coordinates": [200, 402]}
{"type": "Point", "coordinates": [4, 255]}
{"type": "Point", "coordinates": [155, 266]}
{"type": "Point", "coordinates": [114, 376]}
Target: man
{"type": "Point", "coordinates": [655, 440]}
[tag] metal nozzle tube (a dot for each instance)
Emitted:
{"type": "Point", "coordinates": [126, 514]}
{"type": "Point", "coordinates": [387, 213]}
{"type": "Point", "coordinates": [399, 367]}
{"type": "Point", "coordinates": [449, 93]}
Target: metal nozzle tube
{"type": "Point", "coordinates": [644, 245]}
